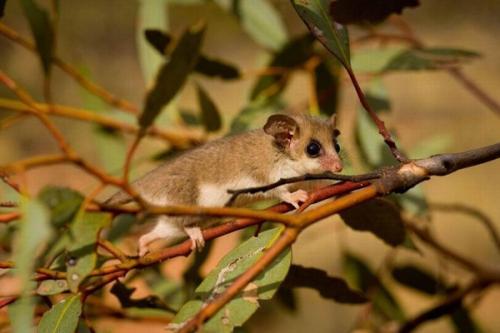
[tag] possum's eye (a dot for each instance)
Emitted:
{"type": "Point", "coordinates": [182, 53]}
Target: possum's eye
{"type": "Point", "coordinates": [313, 149]}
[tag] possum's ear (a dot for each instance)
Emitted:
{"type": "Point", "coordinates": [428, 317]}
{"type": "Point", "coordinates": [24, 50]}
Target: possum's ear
{"type": "Point", "coordinates": [333, 123]}
{"type": "Point", "coordinates": [283, 128]}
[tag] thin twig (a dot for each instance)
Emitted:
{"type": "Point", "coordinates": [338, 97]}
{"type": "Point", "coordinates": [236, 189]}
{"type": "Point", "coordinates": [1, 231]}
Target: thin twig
{"type": "Point", "coordinates": [179, 138]}
{"type": "Point", "coordinates": [473, 212]}
{"type": "Point", "coordinates": [72, 72]}
{"type": "Point", "coordinates": [284, 181]}
{"type": "Point", "coordinates": [450, 304]}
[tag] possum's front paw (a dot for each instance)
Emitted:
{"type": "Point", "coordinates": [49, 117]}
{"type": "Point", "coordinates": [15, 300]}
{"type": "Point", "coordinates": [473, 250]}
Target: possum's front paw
{"type": "Point", "coordinates": [196, 236]}
{"type": "Point", "coordinates": [293, 198]}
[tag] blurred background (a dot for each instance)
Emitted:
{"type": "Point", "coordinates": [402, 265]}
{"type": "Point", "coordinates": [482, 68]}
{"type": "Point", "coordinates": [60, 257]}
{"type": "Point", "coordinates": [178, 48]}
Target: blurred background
{"type": "Point", "coordinates": [101, 38]}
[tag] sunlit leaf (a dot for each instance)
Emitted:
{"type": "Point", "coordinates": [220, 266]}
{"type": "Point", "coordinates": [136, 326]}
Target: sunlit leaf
{"type": "Point", "coordinates": [62, 202]}
{"type": "Point", "coordinates": [255, 113]}
{"type": "Point", "coordinates": [173, 74]}
{"type": "Point", "coordinates": [367, 11]}
{"type": "Point", "coordinates": [378, 216]}
{"type": "Point", "coordinates": [81, 257]}
{"type": "Point", "coordinates": [260, 20]}
{"type": "Point", "coordinates": [42, 30]}
{"type": "Point", "coordinates": [62, 317]}
{"type": "Point", "coordinates": [361, 275]}
{"type": "Point", "coordinates": [210, 115]}
{"type": "Point", "coordinates": [120, 227]}
{"type": "Point", "coordinates": [373, 60]}
{"type": "Point", "coordinates": [293, 54]}
{"type": "Point", "coordinates": [52, 287]}
{"type": "Point", "coordinates": [240, 308]}
{"type": "Point", "coordinates": [429, 58]}
{"type": "Point", "coordinates": [34, 231]}
{"type": "Point", "coordinates": [329, 287]}
{"type": "Point", "coordinates": [152, 14]}
{"type": "Point", "coordinates": [334, 36]}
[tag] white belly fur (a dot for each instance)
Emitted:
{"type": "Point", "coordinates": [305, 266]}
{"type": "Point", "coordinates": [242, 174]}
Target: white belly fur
{"type": "Point", "coordinates": [215, 195]}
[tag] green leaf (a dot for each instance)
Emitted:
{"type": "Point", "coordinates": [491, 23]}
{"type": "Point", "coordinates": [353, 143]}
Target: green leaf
{"type": "Point", "coordinates": [293, 54]}
{"type": "Point", "coordinates": [419, 279]}
{"type": "Point", "coordinates": [360, 275]}
{"type": "Point", "coordinates": [210, 116]}
{"type": "Point", "coordinates": [334, 36]}
{"type": "Point", "coordinates": [370, 145]}
{"type": "Point", "coordinates": [62, 202]}
{"type": "Point", "coordinates": [239, 310]}
{"type": "Point", "coordinates": [260, 20]}
{"type": "Point", "coordinates": [189, 117]}
{"type": "Point", "coordinates": [158, 39]}
{"type": "Point", "coordinates": [255, 112]}
{"type": "Point", "coordinates": [207, 66]}
{"type": "Point", "coordinates": [111, 148]}
{"type": "Point", "coordinates": [120, 227]}
{"type": "Point", "coordinates": [327, 87]}
{"type": "Point", "coordinates": [62, 317]}
{"type": "Point", "coordinates": [429, 59]}
{"type": "Point", "coordinates": [378, 216]}
{"type": "Point", "coordinates": [152, 14]}
{"type": "Point", "coordinates": [370, 60]}
{"type": "Point", "coordinates": [82, 257]}
{"type": "Point", "coordinates": [41, 28]}
{"type": "Point", "coordinates": [52, 287]}
{"type": "Point", "coordinates": [329, 287]}
{"type": "Point", "coordinates": [35, 217]}
{"type": "Point", "coordinates": [216, 68]}
{"type": "Point", "coordinates": [173, 74]}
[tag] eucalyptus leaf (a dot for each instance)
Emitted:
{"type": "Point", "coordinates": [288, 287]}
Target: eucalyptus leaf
{"type": "Point", "coordinates": [210, 115]}
{"type": "Point", "coordinates": [62, 202]}
{"type": "Point", "coordinates": [216, 68]}
{"type": "Point", "coordinates": [52, 287]}
{"type": "Point", "coordinates": [378, 216]}
{"type": "Point", "coordinates": [158, 39]}
{"type": "Point", "coordinates": [254, 113]}
{"type": "Point", "coordinates": [429, 59]}
{"type": "Point", "coordinates": [82, 256]}
{"type": "Point", "coordinates": [367, 11]}
{"type": "Point", "coordinates": [152, 14]}
{"type": "Point", "coordinates": [62, 317]}
{"type": "Point", "coordinates": [361, 275]}
{"type": "Point", "coordinates": [35, 216]}
{"type": "Point", "coordinates": [293, 54]}
{"type": "Point", "coordinates": [239, 309]}
{"type": "Point", "coordinates": [172, 75]}
{"type": "Point", "coordinates": [327, 87]}
{"type": "Point", "coordinates": [260, 20]}
{"type": "Point", "coordinates": [329, 287]}
{"type": "Point", "coordinates": [2, 7]}
{"type": "Point", "coordinates": [419, 279]}
{"type": "Point", "coordinates": [333, 35]}
{"type": "Point", "coordinates": [42, 30]}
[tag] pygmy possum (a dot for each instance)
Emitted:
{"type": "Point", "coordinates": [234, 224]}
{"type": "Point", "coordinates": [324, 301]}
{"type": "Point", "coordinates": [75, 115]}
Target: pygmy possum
{"type": "Point", "coordinates": [287, 146]}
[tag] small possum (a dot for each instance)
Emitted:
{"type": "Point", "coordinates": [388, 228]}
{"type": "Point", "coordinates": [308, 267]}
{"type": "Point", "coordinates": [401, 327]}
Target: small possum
{"type": "Point", "coordinates": [287, 146]}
